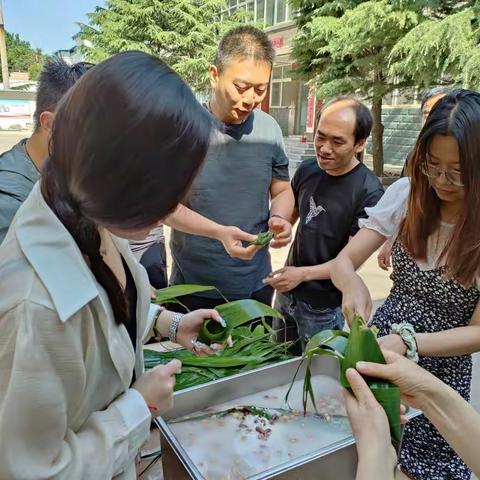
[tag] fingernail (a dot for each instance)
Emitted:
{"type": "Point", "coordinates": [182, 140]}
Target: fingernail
{"type": "Point", "coordinates": [360, 365]}
{"type": "Point", "coordinates": [214, 346]}
{"type": "Point", "coordinates": [223, 323]}
{"type": "Point", "coordinates": [199, 344]}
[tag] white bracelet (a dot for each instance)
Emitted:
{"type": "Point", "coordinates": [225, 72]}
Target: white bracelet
{"type": "Point", "coordinates": [172, 330]}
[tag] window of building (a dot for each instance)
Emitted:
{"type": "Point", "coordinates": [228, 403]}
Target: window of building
{"type": "Point", "coordinates": [260, 11]}
{"type": "Point", "coordinates": [281, 11]}
{"type": "Point", "coordinates": [284, 90]}
{"type": "Point", "coordinates": [269, 12]}
{"type": "Point", "coordinates": [276, 94]}
{"type": "Point", "coordinates": [266, 12]}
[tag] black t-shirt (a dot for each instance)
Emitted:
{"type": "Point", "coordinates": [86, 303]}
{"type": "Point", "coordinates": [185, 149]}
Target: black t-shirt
{"type": "Point", "coordinates": [329, 208]}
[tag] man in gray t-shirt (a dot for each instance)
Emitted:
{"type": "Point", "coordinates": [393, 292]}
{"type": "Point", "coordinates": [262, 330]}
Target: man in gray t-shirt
{"type": "Point", "coordinates": [245, 171]}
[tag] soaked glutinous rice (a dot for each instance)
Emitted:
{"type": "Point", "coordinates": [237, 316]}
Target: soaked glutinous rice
{"type": "Point", "coordinates": [239, 445]}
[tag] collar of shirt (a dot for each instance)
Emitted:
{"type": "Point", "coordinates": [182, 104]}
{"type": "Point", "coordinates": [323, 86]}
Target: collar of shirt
{"type": "Point", "coordinates": [56, 258]}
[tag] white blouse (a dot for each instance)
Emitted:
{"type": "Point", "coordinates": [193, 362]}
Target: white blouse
{"type": "Point", "coordinates": [66, 407]}
{"type": "Point", "coordinates": [387, 216]}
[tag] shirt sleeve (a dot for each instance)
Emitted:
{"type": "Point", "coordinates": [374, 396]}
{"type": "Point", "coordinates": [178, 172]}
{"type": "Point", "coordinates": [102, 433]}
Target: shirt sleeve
{"type": "Point", "coordinates": [297, 181]}
{"type": "Point", "coordinates": [387, 215]}
{"type": "Point", "coordinates": [280, 160]}
{"type": "Point", "coordinates": [14, 190]}
{"type": "Point", "coordinates": [368, 201]}
{"type": "Point", "coordinates": [40, 393]}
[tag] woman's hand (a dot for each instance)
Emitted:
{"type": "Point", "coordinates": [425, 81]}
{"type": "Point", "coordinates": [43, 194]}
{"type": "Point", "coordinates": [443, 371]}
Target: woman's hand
{"type": "Point", "coordinates": [356, 299]}
{"type": "Point", "coordinates": [189, 328]}
{"type": "Point", "coordinates": [393, 343]}
{"type": "Point", "coordinates": [376, 455]}
{"type": "Point", "coordinates": [156, 387]}
{"type": "Point", "coordinates": [383, 257]}
{"type": "Point", "coordinates": [415, 383]}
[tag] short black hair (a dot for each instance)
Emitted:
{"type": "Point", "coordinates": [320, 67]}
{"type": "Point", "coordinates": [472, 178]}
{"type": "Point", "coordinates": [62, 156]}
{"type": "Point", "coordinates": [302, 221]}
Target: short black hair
{"type": "Point", "coordinates": [363, 116]}
{"type": "Point", "coordinates": [56, 78]}
{"type": "Point", "coordinates": [244, 42]}
{"type": "Point", "coordinates": [433, 92]}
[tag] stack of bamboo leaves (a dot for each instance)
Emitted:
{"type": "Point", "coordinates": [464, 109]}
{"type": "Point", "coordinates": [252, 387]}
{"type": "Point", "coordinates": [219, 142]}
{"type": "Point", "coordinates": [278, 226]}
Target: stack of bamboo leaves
{"type": "Point", "coordinates": [253, 345]}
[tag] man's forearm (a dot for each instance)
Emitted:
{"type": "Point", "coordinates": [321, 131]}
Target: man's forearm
{"type": "Point", "coordinates": [185, 220]}
{"type": "Point", "coordinates": [316, 272]}
{"type": "Point", "coordinates": [283, 205]}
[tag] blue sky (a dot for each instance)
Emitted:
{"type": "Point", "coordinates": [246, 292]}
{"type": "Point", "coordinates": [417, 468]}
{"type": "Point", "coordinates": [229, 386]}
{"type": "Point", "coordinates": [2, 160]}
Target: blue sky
{"type": "Point", "coordinates": [47, 24]}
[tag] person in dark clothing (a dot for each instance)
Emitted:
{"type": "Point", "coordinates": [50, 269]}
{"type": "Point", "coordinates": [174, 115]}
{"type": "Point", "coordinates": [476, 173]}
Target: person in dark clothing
{"type": "Point", "coordinates": [330, 194]}
{"type": "Point", "coordinates": [20, 166]}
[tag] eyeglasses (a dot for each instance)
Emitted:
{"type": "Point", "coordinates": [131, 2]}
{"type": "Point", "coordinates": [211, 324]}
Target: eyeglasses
{"type": "Point", "coordinates": [432, 171]}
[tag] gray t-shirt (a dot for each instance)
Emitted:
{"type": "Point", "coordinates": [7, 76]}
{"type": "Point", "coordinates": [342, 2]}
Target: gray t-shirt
{"type": "Point", "coordinates": [233, 188]}
{"type": "Point", "coordinates": [139, 247]}
{"type": "Point", "coordinates": [18, 175]}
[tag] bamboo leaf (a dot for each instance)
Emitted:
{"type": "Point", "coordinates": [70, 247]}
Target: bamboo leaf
{"type": "Point", "coordinates": [363, 346]}
{"type": "Point", "coordinates": [263, 238]}
{"type": "Point", "coordinates": [335, 340]}
{"type": "Point", "coordinates": [253, 348]}
{"type": "Point", "coordinates": [388, 396]}
{"type": "Point", "coordinates": [234, 313]}
{"type": "Point", "coordinates": [167, 294]}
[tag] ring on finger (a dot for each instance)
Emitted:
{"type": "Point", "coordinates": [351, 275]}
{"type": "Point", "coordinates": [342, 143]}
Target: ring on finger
{"type": "Point", "coordinates": [196, 344]}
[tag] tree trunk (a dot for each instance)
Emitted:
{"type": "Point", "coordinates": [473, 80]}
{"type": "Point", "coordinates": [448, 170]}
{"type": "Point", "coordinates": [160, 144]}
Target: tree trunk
{"type": "Point", "coordinates": [377, 136]}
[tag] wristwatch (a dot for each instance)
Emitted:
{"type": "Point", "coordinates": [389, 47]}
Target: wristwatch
{"type": "Point", "coordinates": [172, 330]}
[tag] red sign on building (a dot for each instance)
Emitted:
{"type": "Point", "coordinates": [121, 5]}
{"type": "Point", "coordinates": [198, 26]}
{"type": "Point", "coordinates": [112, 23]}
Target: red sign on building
{"type": "Point", "coordinates": [311, 110]}
{"type": "Point", "coordinates": [277, 42]}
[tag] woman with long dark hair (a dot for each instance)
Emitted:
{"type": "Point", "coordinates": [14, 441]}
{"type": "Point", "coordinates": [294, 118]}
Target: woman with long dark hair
{"type": "Point", "coordinates": [75, 403]}
{"type": "Point", "coordinates": [432, 313]}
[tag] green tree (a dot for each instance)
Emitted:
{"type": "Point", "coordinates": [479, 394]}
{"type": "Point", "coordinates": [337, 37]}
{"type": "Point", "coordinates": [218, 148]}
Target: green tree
{"type": "Point", "coordinates": [442, 50]}
{"type": "Point", "coordinates": [345, 47]}
{"type": "Point", "coordinates": [22, 57]}
{"type": "Point", "coordinates": [183, 33]}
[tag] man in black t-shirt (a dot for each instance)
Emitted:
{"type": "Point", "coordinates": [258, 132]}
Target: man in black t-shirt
{"type": "Point", "coordinates": [330, 193]}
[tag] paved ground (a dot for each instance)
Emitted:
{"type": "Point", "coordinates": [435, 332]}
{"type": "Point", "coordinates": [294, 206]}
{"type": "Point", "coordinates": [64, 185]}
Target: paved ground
{"type": "Point", "coordinates": [8, 139]}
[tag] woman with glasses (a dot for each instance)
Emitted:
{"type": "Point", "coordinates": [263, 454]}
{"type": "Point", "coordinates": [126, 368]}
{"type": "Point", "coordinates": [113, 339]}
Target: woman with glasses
{"type": "Point", "coordinates": [432, 313]}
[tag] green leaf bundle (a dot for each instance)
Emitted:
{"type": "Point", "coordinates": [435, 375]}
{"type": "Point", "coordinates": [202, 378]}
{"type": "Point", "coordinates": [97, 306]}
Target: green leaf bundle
{"type": "Point", "coordinates": [359, 345]}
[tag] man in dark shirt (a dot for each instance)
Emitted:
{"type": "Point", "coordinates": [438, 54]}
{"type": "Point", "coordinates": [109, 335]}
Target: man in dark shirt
{"type": "Point", "coordinates": [20, 166]}
{"type": "Point", "coordinates": [330, 193]}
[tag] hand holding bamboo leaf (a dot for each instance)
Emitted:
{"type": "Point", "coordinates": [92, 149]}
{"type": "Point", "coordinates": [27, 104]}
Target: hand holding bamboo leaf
{"type": "Point", "coordinates": [263, 239]}
{"type": "Point", "coordinates": [234, 313]}
{"type": "Point", "coordinates": [362, 345]}
{"type": "Point", "coordinates": [190, 327]}
{"type": "Point", "coordinates": [369, 423]}
{"type": "Point", "coordinates": [282, 230]}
